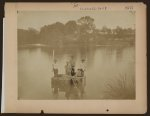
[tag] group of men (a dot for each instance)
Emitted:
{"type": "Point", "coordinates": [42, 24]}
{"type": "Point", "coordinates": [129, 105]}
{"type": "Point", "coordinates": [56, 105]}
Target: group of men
{"type": "Point", "coordinates": [70, 68]}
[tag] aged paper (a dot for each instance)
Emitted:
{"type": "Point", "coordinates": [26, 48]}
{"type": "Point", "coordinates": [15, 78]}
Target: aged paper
{"type": "Point", "coordinates": [75, 58]}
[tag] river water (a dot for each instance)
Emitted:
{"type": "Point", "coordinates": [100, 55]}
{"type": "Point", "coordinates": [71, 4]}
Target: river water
{"type": "Point", "coordinates": [104, 64]}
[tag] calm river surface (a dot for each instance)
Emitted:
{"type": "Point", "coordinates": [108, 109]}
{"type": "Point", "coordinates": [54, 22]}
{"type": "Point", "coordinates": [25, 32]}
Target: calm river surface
{"type": "Point", "coordinates": [104, 63]}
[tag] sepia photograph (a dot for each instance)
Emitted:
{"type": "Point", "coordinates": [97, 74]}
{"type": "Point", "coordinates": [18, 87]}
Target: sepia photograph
{"type": "Point", "coordinates": [76, 55]}
{"type": "Point", "coordinates": [74, 58]}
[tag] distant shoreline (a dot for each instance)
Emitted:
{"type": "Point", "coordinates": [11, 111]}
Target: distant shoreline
{"type": "Point", "coordinates": [72, 45]}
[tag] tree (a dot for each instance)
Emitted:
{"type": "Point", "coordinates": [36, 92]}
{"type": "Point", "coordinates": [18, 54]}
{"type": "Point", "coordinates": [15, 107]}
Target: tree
{"type": "Point", "coordinates": [86, 28]}
{"type": "Point", "coordinates": [71, 27]}
{"type": "Point", "coordinates": [86, 24]}
{"type": "Point", "coordinates": [52, 33]}
{"type": "Point", "coordinates": [30, 36]}
{"type": "Point", "coordinates": [118, 30]}
{"type": "Point", "coordinates": [106, 30]}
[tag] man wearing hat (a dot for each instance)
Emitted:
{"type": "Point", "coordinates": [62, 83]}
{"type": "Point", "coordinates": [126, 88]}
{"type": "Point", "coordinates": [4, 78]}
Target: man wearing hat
{"type": "Point", "coordinates": [82, 67]}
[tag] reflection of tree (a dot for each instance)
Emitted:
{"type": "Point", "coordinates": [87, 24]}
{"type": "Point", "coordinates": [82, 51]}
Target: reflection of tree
{"type": "Point", "coordinates": [119, 53]}
{"type": "Point", "coordinates": [90, 56]}
{"type": "Point", "coordinates": [108, 53]}
{"type": "Point", "coordinates": [83, 52]}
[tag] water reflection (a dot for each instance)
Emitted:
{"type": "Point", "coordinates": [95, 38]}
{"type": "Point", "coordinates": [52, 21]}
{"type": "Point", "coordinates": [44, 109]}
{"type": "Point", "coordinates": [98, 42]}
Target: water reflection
{"type": "Point", "coordinates": [35, 70]}
{"type": "Point", "coordinates": [73, 87]}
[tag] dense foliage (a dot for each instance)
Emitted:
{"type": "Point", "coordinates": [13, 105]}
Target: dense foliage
{"type": "Point", "coordinates": [82, 31]}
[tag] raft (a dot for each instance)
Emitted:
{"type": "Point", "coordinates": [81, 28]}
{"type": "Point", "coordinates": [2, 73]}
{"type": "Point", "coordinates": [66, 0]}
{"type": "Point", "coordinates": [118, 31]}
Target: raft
{"type": "Point", "coordinates": [63, 82]}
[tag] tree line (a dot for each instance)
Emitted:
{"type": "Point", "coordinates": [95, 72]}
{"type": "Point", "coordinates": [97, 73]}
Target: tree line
{"type": "Point", "coordinates": [82, 31]}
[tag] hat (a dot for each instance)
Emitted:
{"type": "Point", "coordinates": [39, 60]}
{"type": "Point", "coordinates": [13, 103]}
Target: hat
{"type": "Point", "coordinates": [82, 60]}
{"type": "Point", "coordinates": [73, 66]}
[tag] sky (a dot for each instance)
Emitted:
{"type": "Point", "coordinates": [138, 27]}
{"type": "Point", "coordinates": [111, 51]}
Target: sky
{"type": "Point", "coordinates": [111, 19]}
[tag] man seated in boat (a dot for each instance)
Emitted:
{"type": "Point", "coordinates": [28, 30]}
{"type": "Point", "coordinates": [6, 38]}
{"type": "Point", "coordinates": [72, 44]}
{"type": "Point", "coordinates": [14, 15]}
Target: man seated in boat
{"type": "Point", "coordinates": [79, 73]}
{"type": "Point", "coordinates": [81, 68]}
{"type": "Point", "coordinates": [68, 68]}
{"type": "Point", "coordinates": [73, 70]}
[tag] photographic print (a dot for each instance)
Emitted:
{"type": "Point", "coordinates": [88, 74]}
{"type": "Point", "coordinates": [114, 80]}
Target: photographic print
{"type": "Point", "coordinates": [72, 57]}
{"type": "Point", "coordinates": [76, 55]}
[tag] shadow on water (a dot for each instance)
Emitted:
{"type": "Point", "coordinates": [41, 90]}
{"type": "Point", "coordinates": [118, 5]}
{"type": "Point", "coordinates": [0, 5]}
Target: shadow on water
{"type": "Point", "coordinates": [72, 87]}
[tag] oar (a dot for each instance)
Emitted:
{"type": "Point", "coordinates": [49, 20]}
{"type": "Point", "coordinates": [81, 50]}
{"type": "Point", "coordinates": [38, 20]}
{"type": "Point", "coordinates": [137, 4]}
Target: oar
{"type": "Point", "coordinates": [53, 55]}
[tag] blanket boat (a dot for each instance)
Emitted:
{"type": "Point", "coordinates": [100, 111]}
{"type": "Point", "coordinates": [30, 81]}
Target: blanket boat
{"type": "Point", "coordinates": [64, 82]}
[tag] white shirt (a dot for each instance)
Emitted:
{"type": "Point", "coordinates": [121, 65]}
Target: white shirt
{"type": "Point", "coordinates": [82, 66]}
{"type": "Point", "coordinates": [55, 65]}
